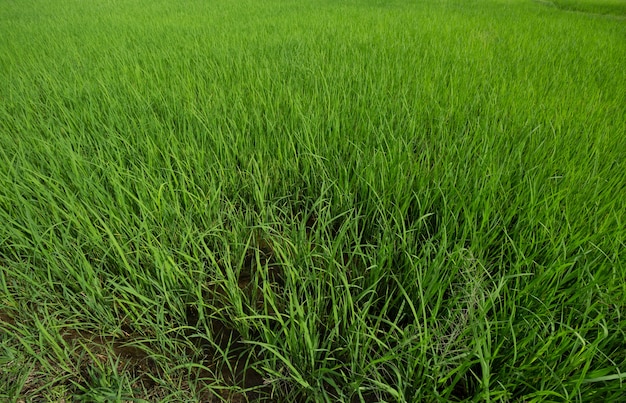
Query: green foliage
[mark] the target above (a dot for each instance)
(607, 7)
(311, 201)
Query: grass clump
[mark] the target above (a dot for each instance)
(607, 7)
(311, 201)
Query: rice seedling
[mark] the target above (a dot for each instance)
(311, 201)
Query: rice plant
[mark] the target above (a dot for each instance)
(312, 200)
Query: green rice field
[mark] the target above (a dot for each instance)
(312, 200)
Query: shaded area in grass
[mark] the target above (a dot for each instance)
(606, 7)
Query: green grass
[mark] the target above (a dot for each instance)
(608, 7)
(311, 201)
